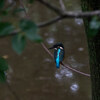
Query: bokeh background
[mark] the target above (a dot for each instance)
(33, 74)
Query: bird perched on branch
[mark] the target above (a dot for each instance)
(58, 53)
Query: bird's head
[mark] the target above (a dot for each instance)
(57, 46)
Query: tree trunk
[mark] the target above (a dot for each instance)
(94, 48)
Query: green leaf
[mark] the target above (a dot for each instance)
(94, 27)
(95, 23)
(6, 28)
(3, 64)
(30, 29)
(30, 1)
(2, 2)
(2, 76)
(4, 12)
(18, 43)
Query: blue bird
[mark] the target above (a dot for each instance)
(58, 53)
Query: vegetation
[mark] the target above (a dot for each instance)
(25, 29)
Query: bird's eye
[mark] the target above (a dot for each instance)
(61, 48)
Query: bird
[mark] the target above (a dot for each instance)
(58, 53)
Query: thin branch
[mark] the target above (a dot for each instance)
(65, 14)
(54, 20)
(21, 2)
(82, 73)
(81, 14)
(70, 14)
(50, 6)
(85, 74)
(62, 5)
(46, 50)
(11, 34)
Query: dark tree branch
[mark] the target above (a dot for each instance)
(69, 14)
(21, 3)
(54, 20)
(11, 34)
(81, 14)
(64, 14)
(50, 6)
(62, 5)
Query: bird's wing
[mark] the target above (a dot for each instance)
(61, 56)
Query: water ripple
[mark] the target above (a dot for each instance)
(74, 87)
(63, 72)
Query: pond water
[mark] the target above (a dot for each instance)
(33, 74)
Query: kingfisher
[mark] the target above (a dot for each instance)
(58, 53)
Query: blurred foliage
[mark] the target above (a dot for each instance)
(18, 43)
(30, 29)
(3, 64)
(17, 10)
(2, 2)
(3, 11)
(31, 1)
(6, 28)
(2, 76)
(27, 30)
(3, 69)
(94, 27)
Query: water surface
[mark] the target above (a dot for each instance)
(33, 75)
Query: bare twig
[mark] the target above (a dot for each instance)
(21, 2)
(62, 5)
(46, 50)
(54, 20)
(70, 14)
(82, 73)
(64, 14)
(11, 34)
(81, 14)
(51, 6)
(85, 74)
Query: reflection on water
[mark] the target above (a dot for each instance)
(9, 74)
(80, 49)
(78, 21)
(63, 72)
(53, 28)
(47, 60)
(74, 63)
(67, 28)
(74, 87)
(50, 40)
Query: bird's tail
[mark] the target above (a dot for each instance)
(57, 64)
